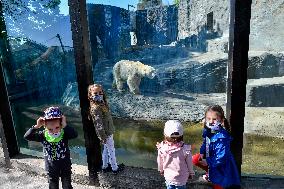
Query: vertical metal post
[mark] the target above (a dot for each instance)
(83, 62)
(5, 109)
(4, 145)
(6, 55)
(237, 73)
(230, 57)
(7, 119)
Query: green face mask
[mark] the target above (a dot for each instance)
(51, 138)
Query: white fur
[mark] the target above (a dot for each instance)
(131, 72)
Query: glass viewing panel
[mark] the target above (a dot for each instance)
(41, 69)
(179, 51)
(264, 134)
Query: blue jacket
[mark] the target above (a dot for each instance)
(205, 133)
(222, 167)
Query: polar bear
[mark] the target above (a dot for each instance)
(131, 72)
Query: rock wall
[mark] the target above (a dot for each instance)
(196, 77)
(218, 45)
(157, 25)
(193, 17)
(265, 86)
(143, 28)
(265, 65)
(267, 26)
(265, 92)
(207, 73)
(183, 19)
(109, 30)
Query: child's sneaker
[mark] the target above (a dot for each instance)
(119, 169)
(107, 169)
(205, 177)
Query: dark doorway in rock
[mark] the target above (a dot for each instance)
(210, 21)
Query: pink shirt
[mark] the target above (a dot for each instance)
(175, 160)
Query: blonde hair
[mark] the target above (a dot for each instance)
(94, 104)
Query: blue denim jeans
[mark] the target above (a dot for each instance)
(170, 186)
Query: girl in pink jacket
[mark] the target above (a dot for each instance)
(174, 157)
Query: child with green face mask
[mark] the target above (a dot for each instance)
(54, 139)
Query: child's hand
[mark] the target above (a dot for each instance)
(39, 123)
(157, 144)
(203, 162)
(201, 156)
(161, 172)
(63, 122)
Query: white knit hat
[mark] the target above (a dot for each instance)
(173, 126)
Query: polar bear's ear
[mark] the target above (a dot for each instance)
(152, 74)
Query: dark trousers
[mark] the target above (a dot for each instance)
(53, 177)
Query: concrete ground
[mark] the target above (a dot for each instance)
(27, 172)
(16, 178)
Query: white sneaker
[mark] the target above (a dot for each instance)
(205, 178)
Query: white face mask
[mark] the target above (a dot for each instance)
(55, 135)
(98, 98)
(215, 126)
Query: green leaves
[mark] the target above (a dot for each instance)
(16, 8)
(176, 2)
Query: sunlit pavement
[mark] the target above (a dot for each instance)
(14, 178)
(28, 172)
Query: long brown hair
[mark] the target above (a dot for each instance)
(95, 104)
(220, 112)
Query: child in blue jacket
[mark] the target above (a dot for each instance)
(220, 163)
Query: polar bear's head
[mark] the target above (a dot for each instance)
(149, 72)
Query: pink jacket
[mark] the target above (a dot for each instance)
(175, 160)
